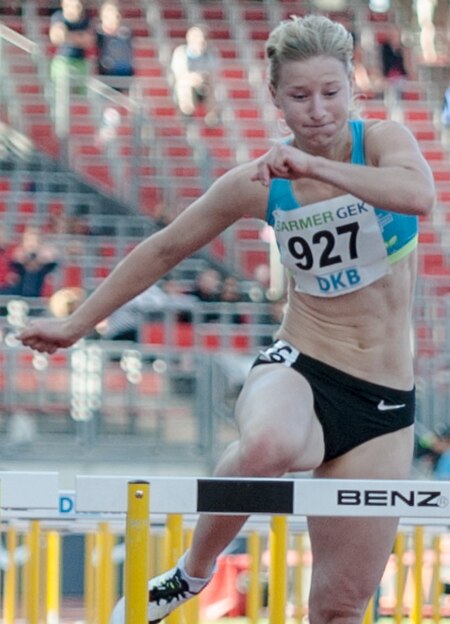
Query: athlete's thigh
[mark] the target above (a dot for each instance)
(350, 554)
(278, 400)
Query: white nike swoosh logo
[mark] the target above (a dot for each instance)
(384, 408)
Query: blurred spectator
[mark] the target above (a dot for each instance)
(231, 290)
(368, 79)
(71, 33)
(65, 300)
(21, 430)
(32, 261)
(124, 323)
(433, 450)
(442, 448)
(179, 299)
(445, 111)
(232, 293)
(108, 129)
(208, 288)
(7, 276)
(394, 56)
(425, 12)
(114, 44)
(194, 66)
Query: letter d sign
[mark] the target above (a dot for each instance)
(66, 503)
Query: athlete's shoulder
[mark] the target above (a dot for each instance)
(388, 139)
(381, 128)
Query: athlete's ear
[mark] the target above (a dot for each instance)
(273, 93)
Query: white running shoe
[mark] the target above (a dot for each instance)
(166, 592)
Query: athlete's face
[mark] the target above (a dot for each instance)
(314, 97)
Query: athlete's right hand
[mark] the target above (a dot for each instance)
(48, 335)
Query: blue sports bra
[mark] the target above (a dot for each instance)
(338, 245)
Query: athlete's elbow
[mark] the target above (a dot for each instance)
(420, 199)
(424, 204)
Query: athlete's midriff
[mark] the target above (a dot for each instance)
(365, 333)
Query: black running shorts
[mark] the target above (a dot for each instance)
(350, 410)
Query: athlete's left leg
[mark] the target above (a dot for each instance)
(350, 554)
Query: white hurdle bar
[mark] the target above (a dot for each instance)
(29, 490)
(307, 497)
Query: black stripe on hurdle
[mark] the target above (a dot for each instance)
(228, 496)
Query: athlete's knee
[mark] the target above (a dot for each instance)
(337, 603)
(268, 451)
(327, 613)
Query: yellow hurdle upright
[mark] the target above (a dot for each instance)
(104, 573)
(416, 613)
(399, 550)
(437, 583)
(254, 598)
(278, 570)
(137, 543)
(89, 578)
(53, 577)
(191, 610)
(33, 572)
(10, 578)
(174, 549)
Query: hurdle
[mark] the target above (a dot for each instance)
(274, 498)
(298, 497)
(28, 494)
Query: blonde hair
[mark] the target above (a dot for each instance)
(300, 38)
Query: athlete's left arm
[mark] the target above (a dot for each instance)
(396, 176)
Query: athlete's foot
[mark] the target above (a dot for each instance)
(166, 592)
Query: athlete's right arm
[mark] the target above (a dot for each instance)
(229, 198)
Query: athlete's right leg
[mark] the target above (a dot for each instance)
(278, 433)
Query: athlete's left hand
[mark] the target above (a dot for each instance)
(282, 161)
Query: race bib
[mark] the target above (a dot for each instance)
(332, 247)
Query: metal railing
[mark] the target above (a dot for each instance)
(125, 401)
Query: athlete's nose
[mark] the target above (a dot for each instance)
(317, 110)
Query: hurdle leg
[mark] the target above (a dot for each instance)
(174, 545)
(437, 583)
(137, 544)
(298, 576)
(33, 572)
(399, 549)
(10, 578)
(89, 578)
(253, 600)
(416, 615)
(104, 578)
(191, 610)
(278, 570)
(53, 577)
(368, 615)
